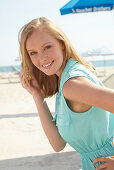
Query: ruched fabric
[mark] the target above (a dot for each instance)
(87, 158)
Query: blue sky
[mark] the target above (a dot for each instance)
(85, 31)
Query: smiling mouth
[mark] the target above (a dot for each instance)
(48, 65)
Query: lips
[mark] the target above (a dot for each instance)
(48, 65)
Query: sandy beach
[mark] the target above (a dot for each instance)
(23, 144)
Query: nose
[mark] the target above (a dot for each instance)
(42, 56)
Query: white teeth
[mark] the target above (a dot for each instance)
(47, 65)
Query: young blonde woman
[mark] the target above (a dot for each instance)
(50, 65)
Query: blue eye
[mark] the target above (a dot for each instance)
(47, 47)
(33, 53)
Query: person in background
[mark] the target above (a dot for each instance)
(50, 65)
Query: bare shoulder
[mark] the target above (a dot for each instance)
(76, 85)
(83, 90)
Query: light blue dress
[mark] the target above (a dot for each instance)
(87, 132)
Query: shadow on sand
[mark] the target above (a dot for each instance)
(25, 115)
(55, 161)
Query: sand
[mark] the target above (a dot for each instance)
(23, 144)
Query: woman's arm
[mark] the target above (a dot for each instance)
(49, 127)
(83, 90)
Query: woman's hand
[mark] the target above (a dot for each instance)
(108, 163)
(33, 89)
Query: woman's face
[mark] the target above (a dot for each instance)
(46, 52)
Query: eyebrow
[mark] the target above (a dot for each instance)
(41, 46)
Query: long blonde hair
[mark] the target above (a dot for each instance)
(49, 85)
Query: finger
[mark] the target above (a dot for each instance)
(21, 74)
(101, 166)
(28, 76)
(100, 159)
(22, 80)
